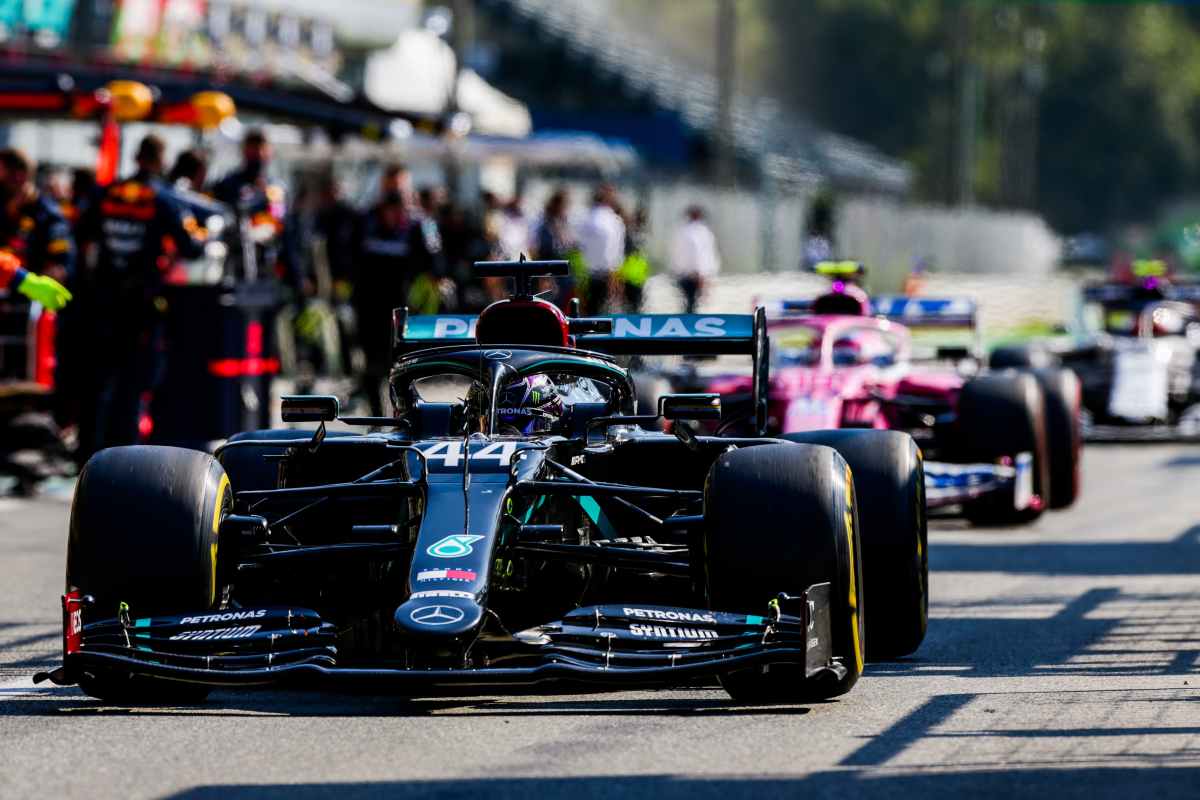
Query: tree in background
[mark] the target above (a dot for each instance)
(1084, 112)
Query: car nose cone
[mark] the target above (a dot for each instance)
(426, 616)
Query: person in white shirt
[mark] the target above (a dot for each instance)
(601, 240)
(694, 257)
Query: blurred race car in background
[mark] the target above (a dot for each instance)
(1002, 445)
(1134, 349)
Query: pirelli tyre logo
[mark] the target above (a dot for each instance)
(212, 634)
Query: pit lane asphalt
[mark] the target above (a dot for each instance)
(1061, 661)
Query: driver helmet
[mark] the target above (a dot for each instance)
(530, 405)
(847, 351)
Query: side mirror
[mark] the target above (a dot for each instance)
(955, 353)
(309, 408)
(689, 406)
(581, 326)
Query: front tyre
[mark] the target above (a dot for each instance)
(143, 532)
(780, 518)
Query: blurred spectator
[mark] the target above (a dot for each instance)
(914, 281)
(336, 228)
(431, 291)
(260, 208)
(337, 225)
(429, 204)
(129, 224)
(818, 233)
(393, 251)
(493, 221)
(602, 246)
(396, 179)
(463, 243)
(553, 240)
(514, 231)
(635, 269)
(694, 257)
(32, 227)
(492, 226)
(83, 191)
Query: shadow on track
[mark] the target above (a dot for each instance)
(1179, 556)
(1058, 783)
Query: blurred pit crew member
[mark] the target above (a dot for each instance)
(602, 244)
(393, 251)
(32, 226)
(260, 209)
(694, 257)
(187, 180)
(129, 225)
(34, 229)
(189, 173)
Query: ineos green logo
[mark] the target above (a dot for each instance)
(455, 545)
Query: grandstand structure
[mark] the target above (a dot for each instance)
(576, 70)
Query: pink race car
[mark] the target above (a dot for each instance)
(1002, 445)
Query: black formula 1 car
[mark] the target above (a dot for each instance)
(514, 522)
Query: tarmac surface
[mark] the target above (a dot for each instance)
(1063, 660)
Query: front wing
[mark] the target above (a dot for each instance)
(953, 484)
(607, 645)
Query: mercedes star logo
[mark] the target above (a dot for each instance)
(497, 355)
(436, 615)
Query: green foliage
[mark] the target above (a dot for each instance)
(1116, 88)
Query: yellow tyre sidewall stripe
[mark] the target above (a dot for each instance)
(853, 593)
(216, 524)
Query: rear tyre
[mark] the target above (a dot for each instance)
(144, 532)
(1000, 416)
(889, 475)
(1064, 436)
(780, 518)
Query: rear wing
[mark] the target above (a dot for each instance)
(942, 328)
(1130, 293)
(927, 312)
(632, 334)
(790, 307)
(914, 312)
